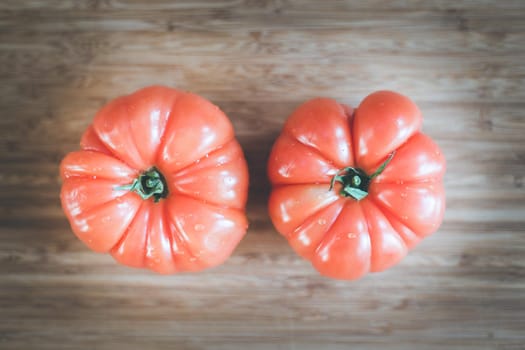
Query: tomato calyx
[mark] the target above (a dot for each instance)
(150, 183)
(355, 181)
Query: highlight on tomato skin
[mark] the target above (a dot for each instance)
(354, 190)
(159, 182)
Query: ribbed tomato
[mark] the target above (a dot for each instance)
(354, 190)
(160, 182)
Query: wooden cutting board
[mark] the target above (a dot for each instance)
(462, 62)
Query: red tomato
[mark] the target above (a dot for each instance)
(353, 191)
(160, 182)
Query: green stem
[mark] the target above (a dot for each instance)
(149, 184)
(355, 181)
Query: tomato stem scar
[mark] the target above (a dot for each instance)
(150, 183)
(355, 181)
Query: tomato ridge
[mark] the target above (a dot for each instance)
(288, 134)
(383, 208)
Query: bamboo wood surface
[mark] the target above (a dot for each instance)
(462, 62)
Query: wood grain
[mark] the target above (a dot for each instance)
(463, 62)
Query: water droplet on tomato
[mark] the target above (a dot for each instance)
(229, 181)
(324, 255)
(351, 235)
(304, 239)
(284, 170)
(321, 221)
(198, 227)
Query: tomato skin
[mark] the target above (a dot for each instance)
(199, 218)
(343, 237)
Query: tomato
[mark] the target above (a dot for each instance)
(160, 182)
(354, 190)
